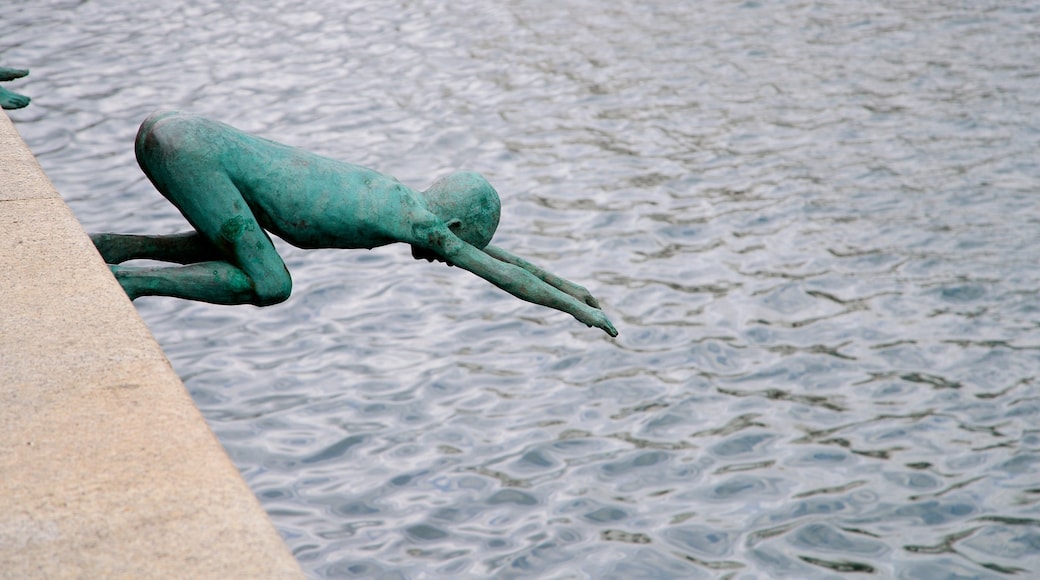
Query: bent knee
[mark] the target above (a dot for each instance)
(272, 290)
(147, 133)
(172, 137)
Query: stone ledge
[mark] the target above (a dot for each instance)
(107, 468)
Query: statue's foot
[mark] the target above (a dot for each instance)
(9, 74)
(10, 100)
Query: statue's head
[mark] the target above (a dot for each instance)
(468, 205)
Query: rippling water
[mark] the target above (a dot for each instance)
(814, 224)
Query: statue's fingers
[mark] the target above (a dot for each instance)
(600, 320)
(9, 74)
(12, 100)
(19, 102)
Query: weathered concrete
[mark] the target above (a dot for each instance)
(107, 469)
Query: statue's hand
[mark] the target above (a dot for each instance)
(9, 74)
(580, 293)
(595, 317)
(12, 100)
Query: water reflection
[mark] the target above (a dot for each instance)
(814, 224)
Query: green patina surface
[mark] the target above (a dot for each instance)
(233, 188)
(11, 99)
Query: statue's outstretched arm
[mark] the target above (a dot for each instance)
(513, 278)
(562, 284)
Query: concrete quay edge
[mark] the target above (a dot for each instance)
(107, 468)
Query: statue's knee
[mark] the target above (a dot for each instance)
(147, 138)
(273, 290)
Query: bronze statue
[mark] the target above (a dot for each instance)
(232, 186)
(11, 99)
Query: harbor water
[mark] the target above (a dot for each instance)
(815, 225)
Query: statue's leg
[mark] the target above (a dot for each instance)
(185, 159)
(249, 269)
(183, 248)
(214, 282)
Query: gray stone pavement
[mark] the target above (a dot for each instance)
(107, 468)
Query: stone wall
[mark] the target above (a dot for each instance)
(107, 468)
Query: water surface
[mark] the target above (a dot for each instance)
(814, 224)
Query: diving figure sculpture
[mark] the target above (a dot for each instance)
(233, 188)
